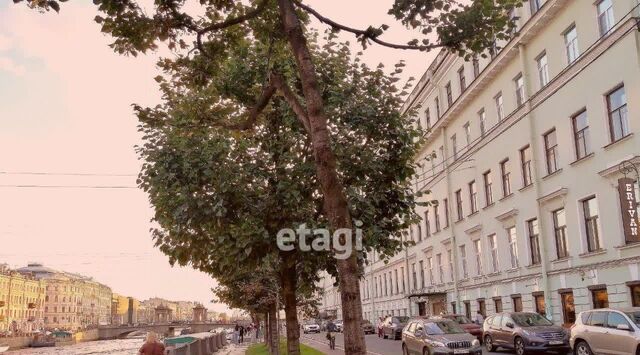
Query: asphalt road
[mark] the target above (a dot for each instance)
(375, 345)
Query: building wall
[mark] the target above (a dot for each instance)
(21, 302)
(605, 63)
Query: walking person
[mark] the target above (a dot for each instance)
(151, 345)
(380, 321)
(236, 334)
(241, 334)
(479, 318)
(331, 328)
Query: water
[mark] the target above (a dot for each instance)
(101, 347)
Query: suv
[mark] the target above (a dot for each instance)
(392, 327)
(466, 324)
(524, 332)
(436, 335)
(311, 328)
(607, 331)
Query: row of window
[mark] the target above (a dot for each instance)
(438, 270)
(616, 101)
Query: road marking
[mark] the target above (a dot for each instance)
(337, 347)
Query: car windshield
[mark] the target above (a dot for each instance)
(443, 327)
(634, 316)
(402, 319)
(529, 319)
(461, 320)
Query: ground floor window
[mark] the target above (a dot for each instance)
(568, 308)
(517, 303)
(540, 304)
(497, 302)
(635, 295)
(482, 307)
(600, 298)
(467, 309)
(453, 307)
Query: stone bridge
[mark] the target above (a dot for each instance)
(114, 332)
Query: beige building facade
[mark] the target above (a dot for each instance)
(72, 301)
(22, 299)
(522, 157)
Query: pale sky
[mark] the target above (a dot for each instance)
(65, 108)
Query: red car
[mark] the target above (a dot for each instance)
(466, 324)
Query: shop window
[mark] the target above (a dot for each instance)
(600, 298)
(568, 308)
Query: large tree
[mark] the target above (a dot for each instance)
(463, 27)
(221, 195)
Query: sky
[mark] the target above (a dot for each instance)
(65, 108)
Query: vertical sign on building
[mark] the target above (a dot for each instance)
(629, 208)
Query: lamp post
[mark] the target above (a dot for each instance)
(629, 167)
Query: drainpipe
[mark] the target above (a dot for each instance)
(407, 280)
(534, 140)
(454, 253)
(371, 286)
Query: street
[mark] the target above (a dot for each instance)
(375, 345)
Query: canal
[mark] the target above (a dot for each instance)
(101, 347)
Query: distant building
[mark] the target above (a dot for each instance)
(21, 301)
(72, 301)
(124, 310)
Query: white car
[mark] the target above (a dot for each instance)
(311, 328)
(339, 325)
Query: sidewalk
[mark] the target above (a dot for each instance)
(322, 345)
(234, 349)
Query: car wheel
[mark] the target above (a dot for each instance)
(518, 346)
(425, 351)
(488, 343)
(404, 350)
(582, 348)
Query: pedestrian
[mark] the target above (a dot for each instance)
(236, 334)
(330, 336)
(380, 321)
(151, 345)
(241, 334)
(479, 318)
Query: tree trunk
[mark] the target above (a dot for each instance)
(289, 287)
(265, 330)
(335, 202)
(274, 346)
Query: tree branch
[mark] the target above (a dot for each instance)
(254, 112)
(364, 34)
(278, 81)
(236, 20)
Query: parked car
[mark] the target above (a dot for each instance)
(437, 335)
(606, 331)
(367, 327)
(311, 328)
(524, 332)
(339, 325)
(466, 324)
(392, 327)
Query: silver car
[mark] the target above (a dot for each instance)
(436, 335)
(606, 331)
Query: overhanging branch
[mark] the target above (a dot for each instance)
(301, 113)
(236, 20)
(362, 33)
(254, 112)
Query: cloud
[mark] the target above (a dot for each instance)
(8, 65)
